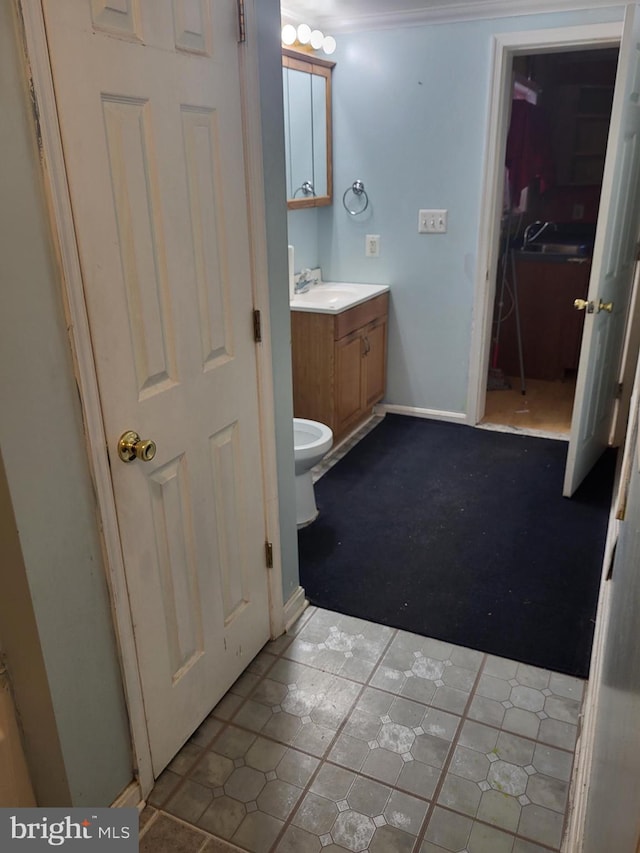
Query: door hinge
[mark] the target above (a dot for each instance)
(268, 553)
(618, 390)
(257, 326)
(242, 23)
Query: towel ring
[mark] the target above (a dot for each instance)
(307, 189)
(357, 188)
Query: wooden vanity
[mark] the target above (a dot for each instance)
(339, 363)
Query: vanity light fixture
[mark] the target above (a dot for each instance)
(303, 36)
(289, 35)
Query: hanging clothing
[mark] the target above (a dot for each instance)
(529, 157)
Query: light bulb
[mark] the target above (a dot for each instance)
(304, 33)
(329, 44)
(316, 39)
(288, 34)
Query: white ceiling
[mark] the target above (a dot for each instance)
(348, 15)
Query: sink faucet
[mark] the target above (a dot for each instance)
(538, 228)
(305, 281)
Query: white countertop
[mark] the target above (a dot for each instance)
(333, 297)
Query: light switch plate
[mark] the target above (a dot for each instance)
(432, 221)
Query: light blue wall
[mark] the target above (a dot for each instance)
(410, 108)
(303, 236)
(272, 119)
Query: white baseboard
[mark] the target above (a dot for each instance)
(130, 798)
(294, 607)
(414, 411)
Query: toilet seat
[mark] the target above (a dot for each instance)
(312, 440)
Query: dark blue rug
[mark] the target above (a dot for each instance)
(462, 534)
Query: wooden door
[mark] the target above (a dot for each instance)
(149, 103)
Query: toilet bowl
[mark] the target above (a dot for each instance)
(311, 441)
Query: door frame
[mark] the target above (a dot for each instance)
(505, 46)
(40, 79)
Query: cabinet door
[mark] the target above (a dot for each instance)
(375, 358)
(550, 326)
(349, 375)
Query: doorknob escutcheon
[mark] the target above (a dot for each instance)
(131, 447)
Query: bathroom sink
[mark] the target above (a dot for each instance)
(333, 297)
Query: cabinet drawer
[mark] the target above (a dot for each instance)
(360, 315)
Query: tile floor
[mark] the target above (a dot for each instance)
(346, 735)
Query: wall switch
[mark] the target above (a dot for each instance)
(372, 246)
(432, 221)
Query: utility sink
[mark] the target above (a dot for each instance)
(333, 297)
(557, 248)
(559, 241)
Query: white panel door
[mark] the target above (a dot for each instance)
(149, 103)
(613, 796)
(612, 268)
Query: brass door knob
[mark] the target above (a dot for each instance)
(605, 306)
(131, 447)
(582, 305)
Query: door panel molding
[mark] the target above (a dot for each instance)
(59, 205)
(611, 269)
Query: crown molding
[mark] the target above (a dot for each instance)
(440, 12)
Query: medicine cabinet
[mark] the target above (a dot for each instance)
(307, 127)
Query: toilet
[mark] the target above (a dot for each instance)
(311, 440)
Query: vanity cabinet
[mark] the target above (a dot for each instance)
(339, 363)
(551, 327)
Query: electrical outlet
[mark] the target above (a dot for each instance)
(432, 221)
(372, 246)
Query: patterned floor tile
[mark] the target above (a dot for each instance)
(244, 788)
(428, 671)
(395, 740)
(529, 701)
(299, 705)
(508, 781)
(339, 644)
(358, 814)
(347, 736)
(461, 835)
(165, 835)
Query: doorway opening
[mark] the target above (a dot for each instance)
(558, 129)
